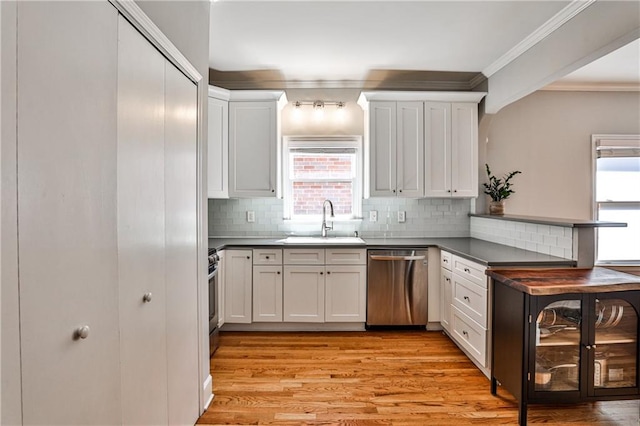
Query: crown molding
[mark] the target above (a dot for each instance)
(592, 87)
(559, 19)
(421, 96)
(132, 12)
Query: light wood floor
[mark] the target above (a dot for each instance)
(370, 378)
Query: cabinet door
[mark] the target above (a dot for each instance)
(446, 291)
(382, 135)
(218, 149)
(557, 338)
(66, 186)
(410, 149)
(346, 293)
(464, 150)
(303, 296)
(238, 284)
(181, 255)
(141, 228)
(437, 125)
(612, 359)
(252, 149)
(267, 293)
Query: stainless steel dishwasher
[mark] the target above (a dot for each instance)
(397, 287)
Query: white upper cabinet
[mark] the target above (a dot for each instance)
(254, 128)
(421, 144)
(451, 143)
(396, 143)
(218, 144)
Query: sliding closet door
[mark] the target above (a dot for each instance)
(66, 127)
(181, 245)
(141, 228)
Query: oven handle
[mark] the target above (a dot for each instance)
(377, 257)
(213, 274)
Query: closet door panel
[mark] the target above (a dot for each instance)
(66, 149)
(141, 228)
(181, 246)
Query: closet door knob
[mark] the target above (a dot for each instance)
(147, 297)
(81, 332)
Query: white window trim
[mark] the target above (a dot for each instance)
(327, 142)
(606, 140)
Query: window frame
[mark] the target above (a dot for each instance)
(598, 140)
(347, 142)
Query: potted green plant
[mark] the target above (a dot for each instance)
(499, 190)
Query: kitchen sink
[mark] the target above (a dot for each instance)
(322, 240)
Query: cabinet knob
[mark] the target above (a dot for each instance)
(400, 190)
(445, 260)
(328, 272)
(467, 270)
(394, 191)
(321, 273)
(447, 279)
(278, 272)
(273, 190)
(467, 298)
(455, 190)
(147, 297)
(267, 257)
(448, 190)
(81, 332)
(248, 257)
(465, 333)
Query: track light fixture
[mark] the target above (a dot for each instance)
(317, 105)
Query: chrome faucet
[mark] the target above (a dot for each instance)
(326, 228)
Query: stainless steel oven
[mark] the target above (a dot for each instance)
(213, 301)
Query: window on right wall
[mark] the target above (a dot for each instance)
(617, 197)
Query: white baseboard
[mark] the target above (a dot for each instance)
(207, 393)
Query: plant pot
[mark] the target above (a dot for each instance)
(496, 207)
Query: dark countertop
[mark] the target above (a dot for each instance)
(572, 223)
(539, 282)
(484, 252)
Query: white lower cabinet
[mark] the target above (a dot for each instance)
(303, 293)
(325, 285)
(267, 293)
(465, 306)
(345, 293)
(238, 283)
(445, 291)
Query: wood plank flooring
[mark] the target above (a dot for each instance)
(370, 378)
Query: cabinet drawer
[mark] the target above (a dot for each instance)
(445, 260)
(470, 299)
(304, 256)
(266, 256)
(472, 271)
(470, 336)
(346, 256)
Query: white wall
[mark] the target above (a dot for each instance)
(547, 135)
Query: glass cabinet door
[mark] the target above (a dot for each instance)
(616, 345)
(557, 345)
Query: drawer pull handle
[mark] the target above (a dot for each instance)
(467, 298)
(465, 333)
(467, 270)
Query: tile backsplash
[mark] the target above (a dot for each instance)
(424, 218)
(546, 239)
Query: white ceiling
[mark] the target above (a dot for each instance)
(339, 40)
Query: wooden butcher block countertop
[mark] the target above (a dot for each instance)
(540, 282)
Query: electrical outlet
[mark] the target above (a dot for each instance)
(373, 216)
(401, 216)
(251, 216)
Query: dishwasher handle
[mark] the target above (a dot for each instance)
(378, 257)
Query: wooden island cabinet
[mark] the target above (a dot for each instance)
(565, 335)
